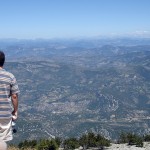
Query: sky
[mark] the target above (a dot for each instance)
(30, 19)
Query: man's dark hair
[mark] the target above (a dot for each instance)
(2, 58)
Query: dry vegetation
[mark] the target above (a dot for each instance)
(13, 148)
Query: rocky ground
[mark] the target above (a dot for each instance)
(127, 147)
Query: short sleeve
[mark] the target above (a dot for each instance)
(14, 86)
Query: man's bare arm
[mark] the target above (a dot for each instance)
(14, 99)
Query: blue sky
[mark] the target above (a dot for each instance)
(73, 18)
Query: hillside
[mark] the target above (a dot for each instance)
(67, 91)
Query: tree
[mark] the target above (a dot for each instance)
(84, 141)
(147, 138)
(123, 138)
(71, 144)
(58, 141)
(47, 145)
(101, 142)
(91, 139)
(27, 144)
(131, 139)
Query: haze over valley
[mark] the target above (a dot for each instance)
(70, 87)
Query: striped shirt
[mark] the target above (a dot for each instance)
(8, 86)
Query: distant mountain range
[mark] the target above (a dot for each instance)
(72, 87)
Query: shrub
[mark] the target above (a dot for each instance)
(58, 141)
(71, 144)
(101, 141)
(147, 138)
(27, 144)
(92, 140)
(47, 145)
(123, 138)
(83, 141)
(131, 139)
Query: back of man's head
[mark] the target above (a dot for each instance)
(3, 145)
(2, 58)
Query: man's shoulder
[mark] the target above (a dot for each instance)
(5, 72)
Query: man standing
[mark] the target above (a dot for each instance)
(8, 101)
